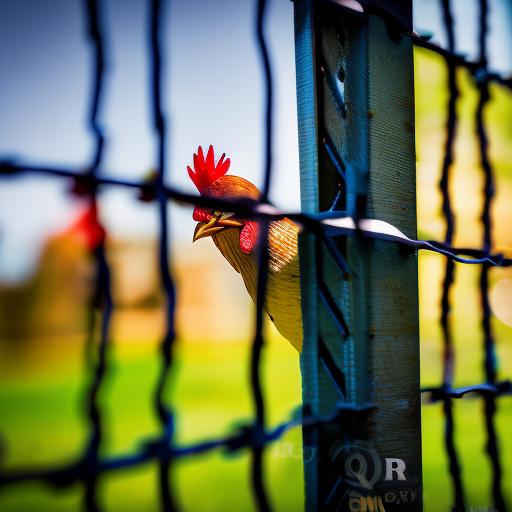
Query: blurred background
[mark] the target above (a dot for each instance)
(213, 95)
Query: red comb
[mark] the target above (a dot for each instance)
(205, 170)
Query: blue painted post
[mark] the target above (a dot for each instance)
(361, 338)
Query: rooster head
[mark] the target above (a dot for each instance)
(210, 179)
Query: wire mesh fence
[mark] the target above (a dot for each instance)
(491, 389)
(255, 436)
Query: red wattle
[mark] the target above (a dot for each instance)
(249, 237)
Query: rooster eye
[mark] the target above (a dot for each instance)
(222, 215)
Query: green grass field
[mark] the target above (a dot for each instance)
(43, 425)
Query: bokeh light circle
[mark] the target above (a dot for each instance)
(501, 301)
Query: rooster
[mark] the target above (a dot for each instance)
(236, 239)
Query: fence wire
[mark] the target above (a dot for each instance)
(491, 389)
(256, 436)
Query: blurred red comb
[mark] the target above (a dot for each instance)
(206, 171)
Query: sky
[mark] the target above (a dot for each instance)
(212, 94)
(427, 17)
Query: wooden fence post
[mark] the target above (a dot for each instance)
(361, 337)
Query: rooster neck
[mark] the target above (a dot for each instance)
(283, 302)
(228, 243)
(283, 248)
(282, 244)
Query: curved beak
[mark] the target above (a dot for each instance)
(214, 226)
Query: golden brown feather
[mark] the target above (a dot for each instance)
(283, 302)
